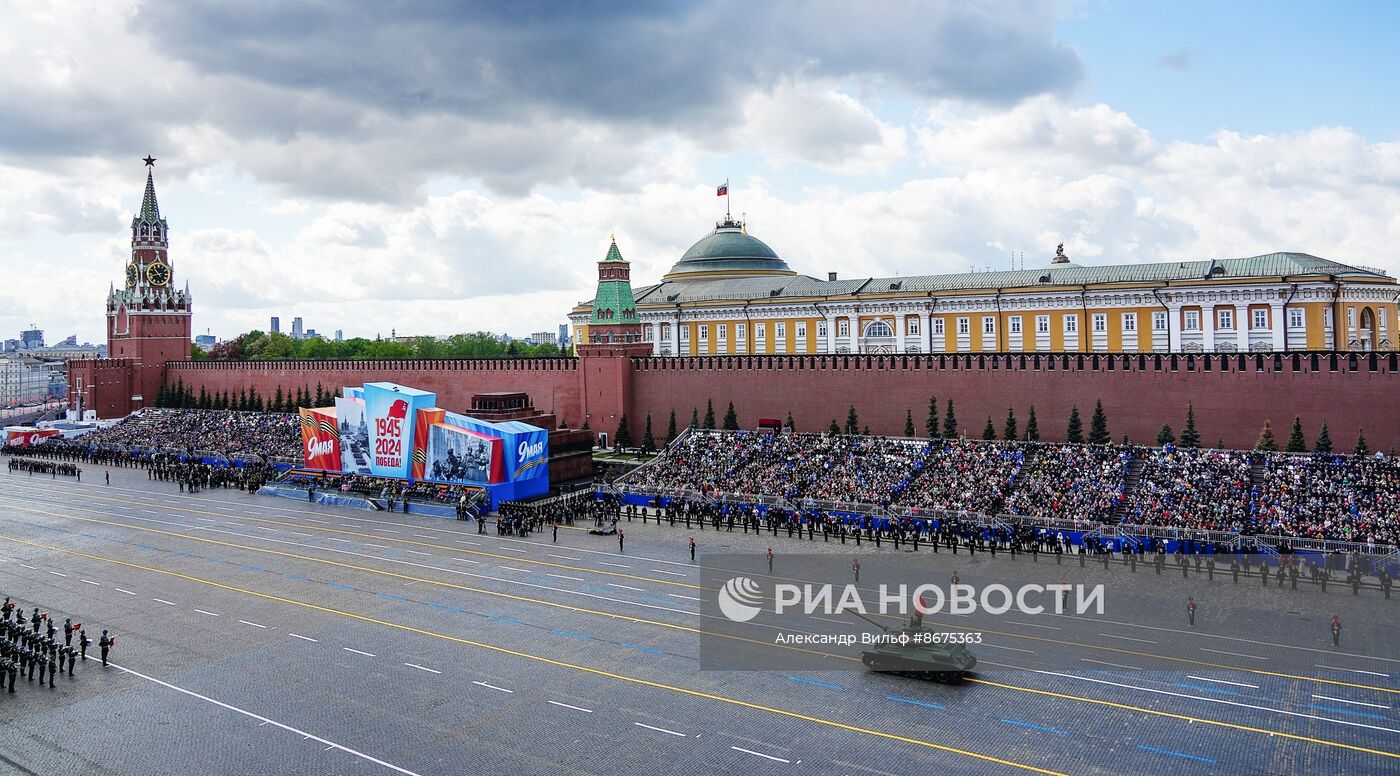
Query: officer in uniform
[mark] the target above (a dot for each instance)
(855, 569)
(770, 559)
(8, 609)
(83, 643)
(105, 643)
(1191, 611)
(68, 630)
(692, 549)
(1385, 583)
(1235, 571)
(1336, 631)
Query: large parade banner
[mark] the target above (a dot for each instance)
(391, 411)
(24, 436)
(354, 435)
(320, 440)
(525, 447)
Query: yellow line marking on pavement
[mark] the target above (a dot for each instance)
(551, 661)
(1188, 718)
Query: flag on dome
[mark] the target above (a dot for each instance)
(722, 190)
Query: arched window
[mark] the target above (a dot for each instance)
(878, 329)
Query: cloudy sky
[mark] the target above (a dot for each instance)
(436, 167)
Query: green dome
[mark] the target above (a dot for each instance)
(730, 252)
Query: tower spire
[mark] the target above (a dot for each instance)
(150, 209)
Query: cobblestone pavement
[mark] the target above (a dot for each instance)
(263, 635)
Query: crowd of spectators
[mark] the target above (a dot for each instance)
(1192, 488)
(225, 432)
(1319, 496)
(1072, 482)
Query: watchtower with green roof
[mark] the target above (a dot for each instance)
(614, 317)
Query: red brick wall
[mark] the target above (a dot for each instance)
(1232, 404)
(552, 383)
(107, 385)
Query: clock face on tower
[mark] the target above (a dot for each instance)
(158, 274)
(132, 275)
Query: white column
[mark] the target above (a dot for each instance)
(655, 338)
(830, 333)
(1174, 324)
(1242, 327)
(925, 332)
(1208, 322)
(899, 325)
(1276, 313)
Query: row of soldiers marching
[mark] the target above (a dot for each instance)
(25, 648)
(45, 467)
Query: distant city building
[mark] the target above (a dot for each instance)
(11, 344)
(206, 341)
(544, 337)
(70, 341)
(276, 325)
(31, 338)
(24, 378)
(297, 332)
(563, 340)
(339, 335)
(309, 333)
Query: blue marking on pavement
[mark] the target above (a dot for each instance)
(827, 685)
(1203, 688)
(653, 599)
(572, 634)
(392, 597)
(253, 567)
(298, 577)
(913, 702)
(1019, 723)
(639, 647)
(445, 608)
(340, 586)
(1340, 710)
(1182, 755)
(502, 618)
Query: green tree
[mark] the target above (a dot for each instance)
(624, 434)
(279, 400)
(731, 419)
(950, 422)
(989, 431)
(852, 422)
(1220, 443)
(791, 426)
(255, 402)
(833, 428)
(1165, 436)
(648, 442)
(1266, 441)
(1361, 447)
(694, 418)
(1032, 427)
(909, 423)
(1098, 426)
(198, 353)
(1189, 437)
(709, 413)
(1074, 433)
(1323, 443)
(203, 402)
(931, 422)
(1010, 431)
(671, 428)
(1296, 443)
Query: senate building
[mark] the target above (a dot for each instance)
(731, 294)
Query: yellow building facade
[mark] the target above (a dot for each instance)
(730, 294)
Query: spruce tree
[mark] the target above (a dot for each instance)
(791, 426)
(671, 428)
(1032, 427)
(1323, 443)
(1189, 437)
(950, 422)
(1361, 447)
(866, 432)
(909, 422)
(1296, 443)
(709, 413)
(242, 399)
(1010, 432)
(203, 402)
(278, 400)
(852, 422)
(1098, 426)
(1266, 441)
(182, 396)
(648, 442)
(931, 423)
(624, 434)
(1126, 441)
(1165, 436)
(1220, 443)
(833, 428)
(989, 432)
(731, 419)
(255, 402)
(694, 418)
(323, 397)
(1074, 432)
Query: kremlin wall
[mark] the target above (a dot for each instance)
(1243, 340)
